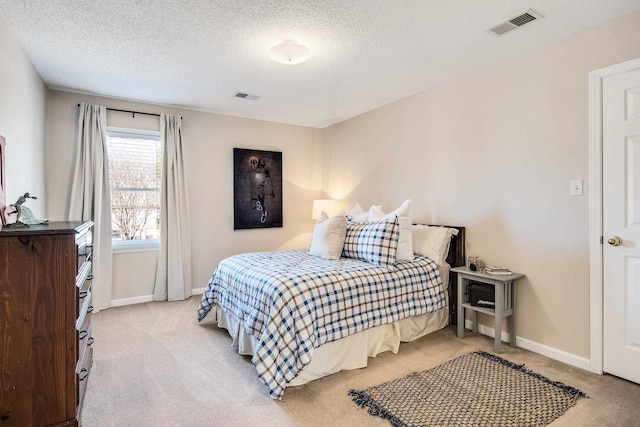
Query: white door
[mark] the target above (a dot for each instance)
(621, 219)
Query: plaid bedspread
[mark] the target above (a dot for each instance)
(293, 302)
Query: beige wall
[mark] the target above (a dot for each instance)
(494, 151)
(209, 140)
(22, 123)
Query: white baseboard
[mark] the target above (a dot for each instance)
(545, 350)
(130, 301)
(145, 298)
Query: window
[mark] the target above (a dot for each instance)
(135, 162)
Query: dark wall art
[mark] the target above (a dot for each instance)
(257, 189)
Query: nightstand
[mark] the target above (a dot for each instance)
(505, 299)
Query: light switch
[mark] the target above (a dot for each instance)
(575, 187)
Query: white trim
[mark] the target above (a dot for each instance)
(550, 352)
(130, 301)
(554, 353)
(145, 298)
(133, 133)
(596, 283)
(145, 245)
(595, 221)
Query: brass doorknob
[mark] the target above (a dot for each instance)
(615, 241)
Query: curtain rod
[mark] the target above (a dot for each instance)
(133, 113)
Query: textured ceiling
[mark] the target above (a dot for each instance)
(198, 53)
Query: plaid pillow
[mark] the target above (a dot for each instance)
(374, 242)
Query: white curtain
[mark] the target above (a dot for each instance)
(173, 272)
(91, 197)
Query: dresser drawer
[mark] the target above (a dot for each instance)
(84, 247)
(85, 309)
(83, 378)
(84, 331)
(85, 339)
(83, 279)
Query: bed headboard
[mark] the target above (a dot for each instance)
(456, 256)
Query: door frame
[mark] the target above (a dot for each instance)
(596, 279)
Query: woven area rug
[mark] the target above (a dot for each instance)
(477, 389)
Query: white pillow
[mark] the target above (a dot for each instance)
(356, 210)
(328, 236)
(358, 215)
(432, 242)
(405, 243)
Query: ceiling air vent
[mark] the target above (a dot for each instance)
(247, 96)
(515, 22)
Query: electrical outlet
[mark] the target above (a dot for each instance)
(575, 188)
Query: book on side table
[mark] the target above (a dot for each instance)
(497, 270)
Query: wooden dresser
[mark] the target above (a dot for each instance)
(45, 328)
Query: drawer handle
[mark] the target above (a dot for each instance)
(90, 309)
(84, 371)
(90, 277)
(82, 294)
(90, 341)
(83, 334)
(89, 245)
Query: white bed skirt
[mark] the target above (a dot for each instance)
(351, 352)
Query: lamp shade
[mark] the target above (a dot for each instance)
(289, 52)
(327, 205)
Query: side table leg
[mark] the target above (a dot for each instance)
(474, 325)
(460, 307)
(512, 326)
(498, 316)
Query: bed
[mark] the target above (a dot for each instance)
(301, 316)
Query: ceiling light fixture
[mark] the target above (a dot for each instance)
(289, 52)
